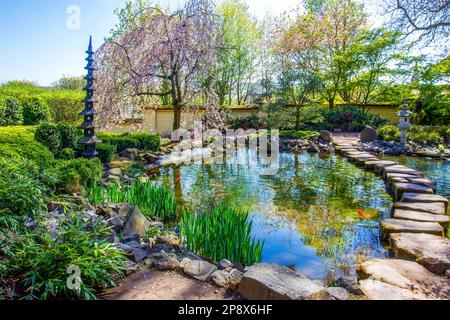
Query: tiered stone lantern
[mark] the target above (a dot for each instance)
(404, 125)
(89, 139)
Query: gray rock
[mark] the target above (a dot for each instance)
(326, 136)
(115, 222)
(132, 237)
(137, 223)
(166, 263)
(200, 270)
(389, 226)
(225, 264)
(133, 244)
(125, 248)
(130, 153)
(117, 172)
(130, 267)
(235, 279)
(273, 282)
(139, 254)
(369, 134)
(337, 293)
(221, 278)
(349, 283)
(157, 224)
(434, 207)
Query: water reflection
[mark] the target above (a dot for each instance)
(306, 213)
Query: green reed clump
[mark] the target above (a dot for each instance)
(152, 200)
(221, 233)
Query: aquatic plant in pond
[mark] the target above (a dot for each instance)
(221, 233)
(152, 200)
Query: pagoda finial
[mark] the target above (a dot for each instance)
(89, 139)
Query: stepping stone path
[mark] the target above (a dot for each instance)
(429, 251)
(416, 235)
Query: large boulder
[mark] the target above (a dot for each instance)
(136, 223)
(198, 269)
(273, 282)
(369, 134)
(404, 279)
(130, 153)
(326, 136)
(430, 251)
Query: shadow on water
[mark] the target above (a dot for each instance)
(319, 214)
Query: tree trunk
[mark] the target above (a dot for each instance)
(297, 118)
(331, 103)
(176, 116)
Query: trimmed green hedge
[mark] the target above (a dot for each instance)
(106, 152)
(142, 141)
(11, 111)
(298, 134)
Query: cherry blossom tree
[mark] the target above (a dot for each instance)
(155, 55)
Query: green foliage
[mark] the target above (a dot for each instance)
(298, 134)
(41, 262)
(106, 152)
(351, 118)
(389, 133)
(67, 154)
(142, 141)
(35, 110)
(78, 173)
(11, 113)
(426, 135)
(49, 135)
(19, 143)
(247, 122)
(70, 83)
(69, 135)
(152, 200)
(22, 191)
(222, 233)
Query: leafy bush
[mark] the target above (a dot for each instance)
(143, 141)
(41, 262)
(49, 135)
(21, 189)
(389, 133)
(11, 113)
(351, 118)
(19, 143)
(106, 152)
(69, 135)
(222, 233)
(427, 136)
(67, 154)
(298, 134)
(35, 110)
(76, 174)
(248, 122)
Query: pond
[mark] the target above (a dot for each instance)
(319, 214)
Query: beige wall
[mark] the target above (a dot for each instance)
(162, 120)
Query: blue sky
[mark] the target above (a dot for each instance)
(37, 44)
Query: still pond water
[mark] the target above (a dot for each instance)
(319, 214)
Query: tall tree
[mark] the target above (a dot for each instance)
(239, 55)
(154, 53)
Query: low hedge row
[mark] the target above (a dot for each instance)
(142, 141)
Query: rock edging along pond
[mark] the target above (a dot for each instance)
(416, 234)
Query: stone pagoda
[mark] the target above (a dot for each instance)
(89, 139)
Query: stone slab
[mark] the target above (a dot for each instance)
(424, 198)
(405, 275)
(389, 226)
(432, 207)
(421, 217)
(400, 188)
(430, 251)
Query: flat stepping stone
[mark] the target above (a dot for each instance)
(389, 226)
(381, 163)
(401, 188)
(432, 207)
(430, 251)
(377, 290)
(411, 279)
(423, 182)
(421, 217)
(401, 169)
(424, 198)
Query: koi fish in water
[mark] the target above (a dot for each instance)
(362, 214)
(178, 179)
